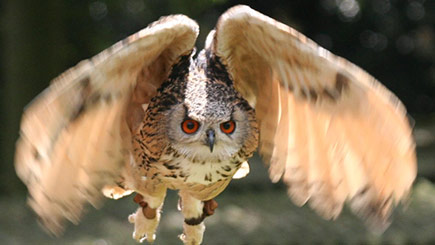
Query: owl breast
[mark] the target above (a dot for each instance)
(174, 165)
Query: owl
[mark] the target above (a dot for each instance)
(150, 114)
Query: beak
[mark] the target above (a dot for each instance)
(210, 139)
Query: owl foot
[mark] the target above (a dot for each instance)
(192, 234)
(144, 228)
(145, 220)
(194, 212)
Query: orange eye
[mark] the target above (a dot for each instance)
(190, 126)
(228, 127)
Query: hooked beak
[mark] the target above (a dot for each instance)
(210, 139)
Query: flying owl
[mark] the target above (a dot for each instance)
(149, 114)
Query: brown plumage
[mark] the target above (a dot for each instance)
(146, 115)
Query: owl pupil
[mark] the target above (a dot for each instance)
(190, 125)
(226, 125)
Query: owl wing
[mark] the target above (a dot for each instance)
(75, 136)
(331, 131)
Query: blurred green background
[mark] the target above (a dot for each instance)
(394, 40)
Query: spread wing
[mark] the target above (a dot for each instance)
(75, 136)
(331, 131)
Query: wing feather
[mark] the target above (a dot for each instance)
(75, 136)
(331, 131)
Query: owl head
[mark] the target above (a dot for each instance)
(213, 121)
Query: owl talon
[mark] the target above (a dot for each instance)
(145, 220)
(192, 235)
(144, 228)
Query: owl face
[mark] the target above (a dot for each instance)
(210, 139)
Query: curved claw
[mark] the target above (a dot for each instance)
(145, 221)
(144, 229)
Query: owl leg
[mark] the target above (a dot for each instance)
(194, 212)
(147, 216)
